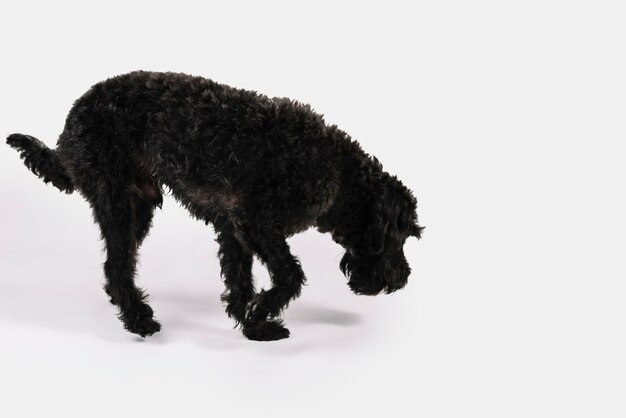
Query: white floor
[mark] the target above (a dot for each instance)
(478, 328)
(506, 120)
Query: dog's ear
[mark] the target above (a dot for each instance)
(374, 236)
(392, 216)
(385, 213)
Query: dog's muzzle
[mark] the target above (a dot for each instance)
(371, 276)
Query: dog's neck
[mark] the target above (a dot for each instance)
(359, 181)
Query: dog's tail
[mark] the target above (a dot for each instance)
(42, 161)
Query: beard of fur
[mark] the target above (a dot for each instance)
(374, 276)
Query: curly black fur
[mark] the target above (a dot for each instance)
(258, 169)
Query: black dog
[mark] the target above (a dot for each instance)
(258, 169)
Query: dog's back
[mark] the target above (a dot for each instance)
(219, 149)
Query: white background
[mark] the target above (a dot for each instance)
(505, 118)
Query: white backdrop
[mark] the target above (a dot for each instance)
(505, 118)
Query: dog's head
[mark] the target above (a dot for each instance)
(375, 261)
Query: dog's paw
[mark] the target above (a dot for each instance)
(145, 327)
(141, 323)
(266, 331)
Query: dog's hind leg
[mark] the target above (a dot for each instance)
(143, 212)
(287, 280)
(236, 264)
(117, 216)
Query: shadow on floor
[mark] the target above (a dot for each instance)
(80, 309)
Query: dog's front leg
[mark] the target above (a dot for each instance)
(287, 280)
